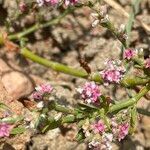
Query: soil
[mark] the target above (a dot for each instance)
(64, 43)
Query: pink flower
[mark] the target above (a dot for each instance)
(112, 75)
(123, 131)
(147, 63)
(55, 2)
(40, 2)
(70, 2)
(98, 127)
(95, 145)
(103, 144)
(42, 90)
(22, 7)
(129, 54)
(5, 130)
(113, 72)
(90, 92)
(51, 2)
(37, 95)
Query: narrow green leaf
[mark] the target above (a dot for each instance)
(41, 122)
(3, 106)
(18, 130)
(68, 119)
(135, 10)
(51, 124)
(133, 119)
(80, 136)
(87, 106)
(136, 4)
(12, 120)
(143, 111)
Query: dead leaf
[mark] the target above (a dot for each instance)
(10, 46)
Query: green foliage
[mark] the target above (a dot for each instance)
(18, 130)
(135, 9)
(133, 119)
(12, 120)
(80, 136)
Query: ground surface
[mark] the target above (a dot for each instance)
(64, 43)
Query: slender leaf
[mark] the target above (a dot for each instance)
(133, 119)
(12, 120)
(80, 136)
(18, 130)
(3, 106)
(135, 10)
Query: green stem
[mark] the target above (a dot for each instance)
(44, 25)
(110, 26)
(63, 109)
(128, 81)
(124, 104)
(115, 108)
(40, 25)
(143, 111)
(1, 39)
(68, 119)
(52, 123)
(54, 65)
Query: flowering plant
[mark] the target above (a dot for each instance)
(101, 120)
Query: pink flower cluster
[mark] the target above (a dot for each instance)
(129, 54)
(94, 145)
(5, 130)
(70, 2)
(106, 142)
(42, 90)
(123, 131)
(147, 63)
(98, 127)
(90, 92)
(55, 2)
(51, 2)
(102, 144)
(113, 72)
(22, 6)
(120, 130)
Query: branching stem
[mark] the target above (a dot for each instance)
(38, 26)
(128, 81)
